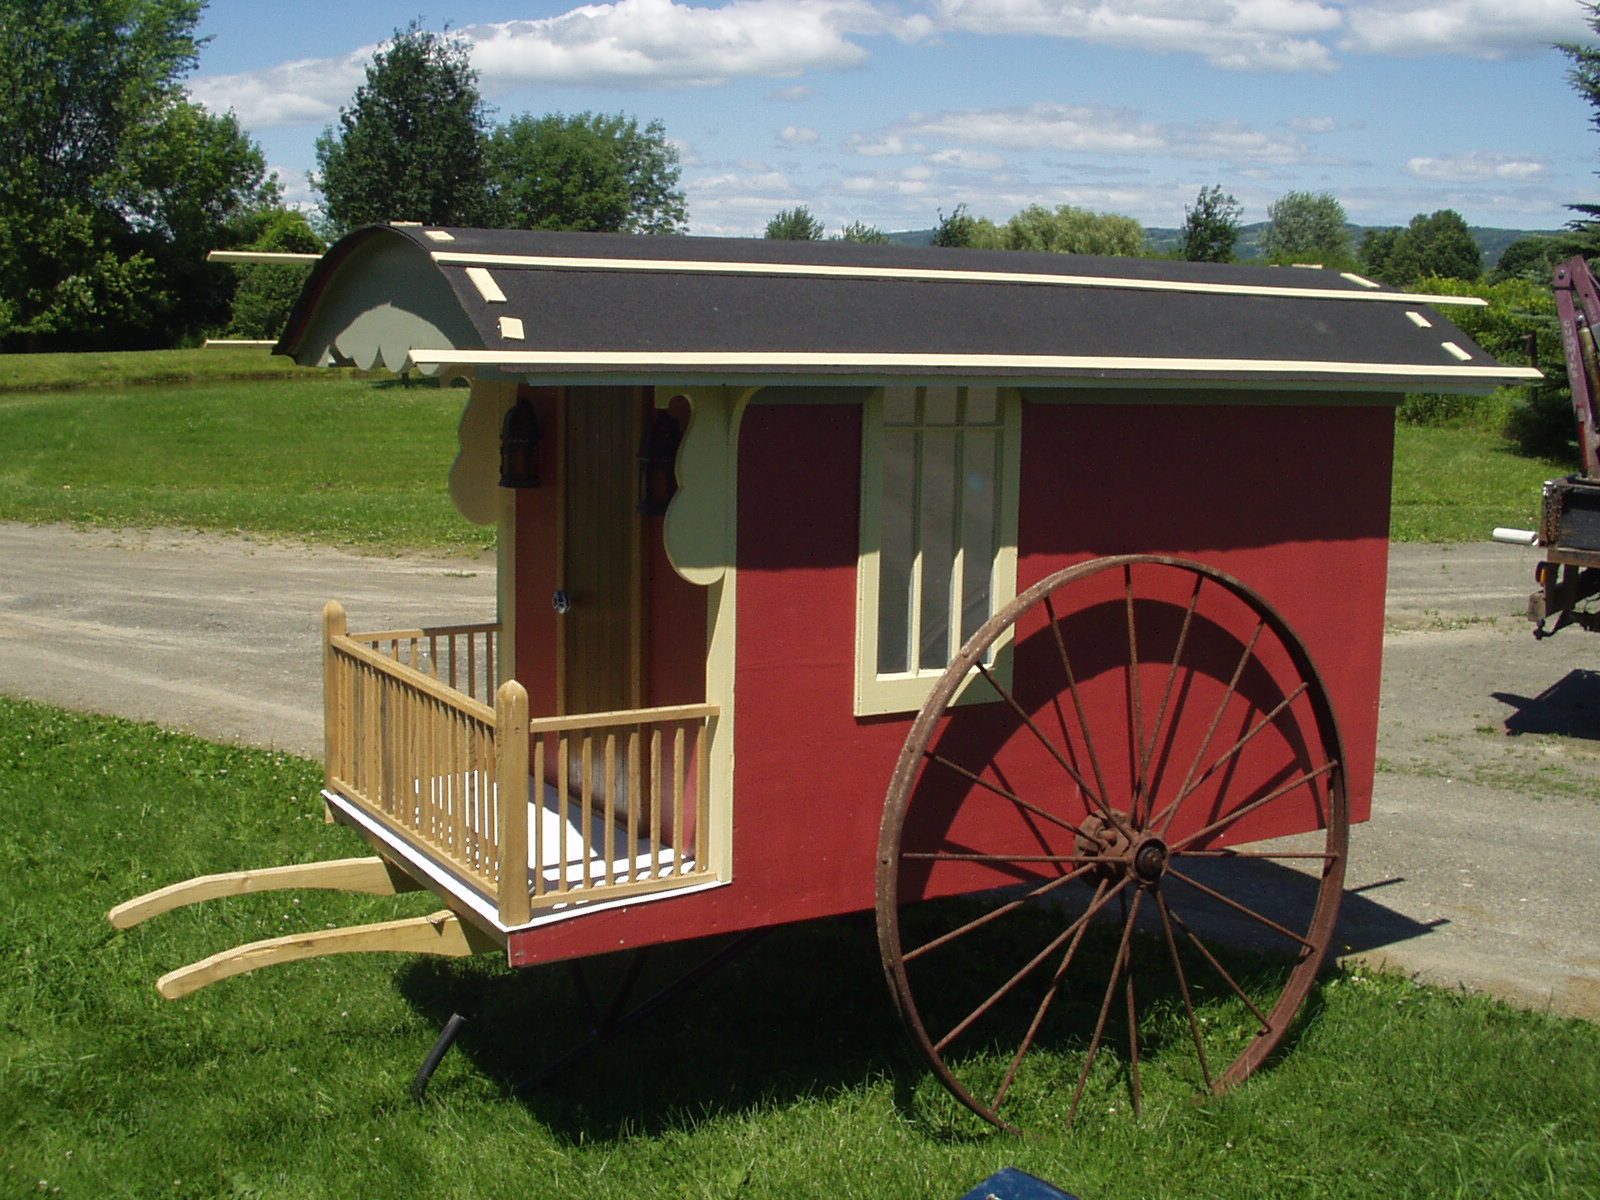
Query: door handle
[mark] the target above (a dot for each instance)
(561, 602)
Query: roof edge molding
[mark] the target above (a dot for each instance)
(373, 298)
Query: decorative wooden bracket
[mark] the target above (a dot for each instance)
(441, 933)
(375, 876)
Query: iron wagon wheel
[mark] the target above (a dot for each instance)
(1119, 820)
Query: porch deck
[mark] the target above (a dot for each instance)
(611, 804)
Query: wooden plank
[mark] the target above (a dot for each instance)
(441, 933)
(633, 716)
(374, 876)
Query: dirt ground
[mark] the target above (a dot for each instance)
(1478, 869)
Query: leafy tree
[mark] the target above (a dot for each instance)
(1583, 233)
(1533, 257)
(1439, 245)
(1070, 230)
(267, 291)
(1211, 227)
(859, 231)
(795, 225)
(411, 147)
(594, 172)
(962, 230)
(1307, 227)
(112, 183)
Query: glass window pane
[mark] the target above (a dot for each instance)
(899, 406)
(983, 406)
(897, 545)
(979, 517)
(941, 405)
(937, 528)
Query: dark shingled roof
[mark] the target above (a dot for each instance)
(565, 307)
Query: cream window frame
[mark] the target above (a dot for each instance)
(878, 692)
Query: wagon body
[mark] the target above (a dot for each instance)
(1080, 562)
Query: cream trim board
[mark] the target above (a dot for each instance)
(827, 270)
(979, 364)
(899, 692)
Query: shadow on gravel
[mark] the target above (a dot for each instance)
(1570, 707)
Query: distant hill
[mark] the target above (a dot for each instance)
(1492, 242)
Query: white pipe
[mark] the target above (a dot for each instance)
(1516, 537)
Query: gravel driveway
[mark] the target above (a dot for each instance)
(1479, 867)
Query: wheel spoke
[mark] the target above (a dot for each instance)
(1044, 741)
(1216, 719)
(1003, 793)
(997, 857)
(1242, 909)
(1146, 782)
(993, 914)
(1182, 977)
(1135, 700)
(1024, 971)
(1245, 810)
(1133, 1021)
(1231, 852)
(1077, 704)
(1118, 966)
(1047, 1000)
(1227, 977)
(1171, 810)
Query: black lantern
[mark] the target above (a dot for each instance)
(658, 461)
(519, 446)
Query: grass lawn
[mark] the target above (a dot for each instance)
(785, 1077)
(339, 461)
(1456, 485)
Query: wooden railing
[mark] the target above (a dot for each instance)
(618, 799)
(460, 656)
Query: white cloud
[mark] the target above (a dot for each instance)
(963, 159)
(882, 145)
(626, 44)
(291, 93)
(1088, 129)
(1480, 166)
(1491, 29)
(1313, 124)
(798, 135)
(1256, 35)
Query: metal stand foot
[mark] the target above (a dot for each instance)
(446, 1039)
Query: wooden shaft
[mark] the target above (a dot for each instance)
(511, 789)
(374, 876)
(441, 933)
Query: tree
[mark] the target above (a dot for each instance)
(795, 225)
(860, 231)
(1070, 230)
(593, 172)
(112, 183)
(267, 291)
(1211, 227)
(1532, 257)
(1439, 245)
(411, 146)
(1583, 232)
(1307, 227)
(962, 230)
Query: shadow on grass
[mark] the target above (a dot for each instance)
(805, 1013)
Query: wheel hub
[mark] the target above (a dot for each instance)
(1150, 860)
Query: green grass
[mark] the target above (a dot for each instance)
(1456, 485)
(322, 456)
(60, 372)
(339, 461)
(784, 1077)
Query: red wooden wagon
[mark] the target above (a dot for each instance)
(841, 578)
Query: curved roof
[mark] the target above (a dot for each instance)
(570, 307)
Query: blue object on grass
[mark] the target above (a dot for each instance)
(1008, 1183)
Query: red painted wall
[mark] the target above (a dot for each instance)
(1291, 500)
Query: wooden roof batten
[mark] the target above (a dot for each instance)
(598, 308)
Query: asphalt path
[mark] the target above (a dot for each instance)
(1478, 868)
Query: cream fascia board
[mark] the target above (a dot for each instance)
(680, 266)
(877, 694)
(1011, 365)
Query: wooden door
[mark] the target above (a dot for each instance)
(601, 638)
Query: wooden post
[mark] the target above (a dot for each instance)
(334, 625)
(511, 787)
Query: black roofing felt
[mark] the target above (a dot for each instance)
(1114, 327)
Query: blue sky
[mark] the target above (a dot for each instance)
(889, 113)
